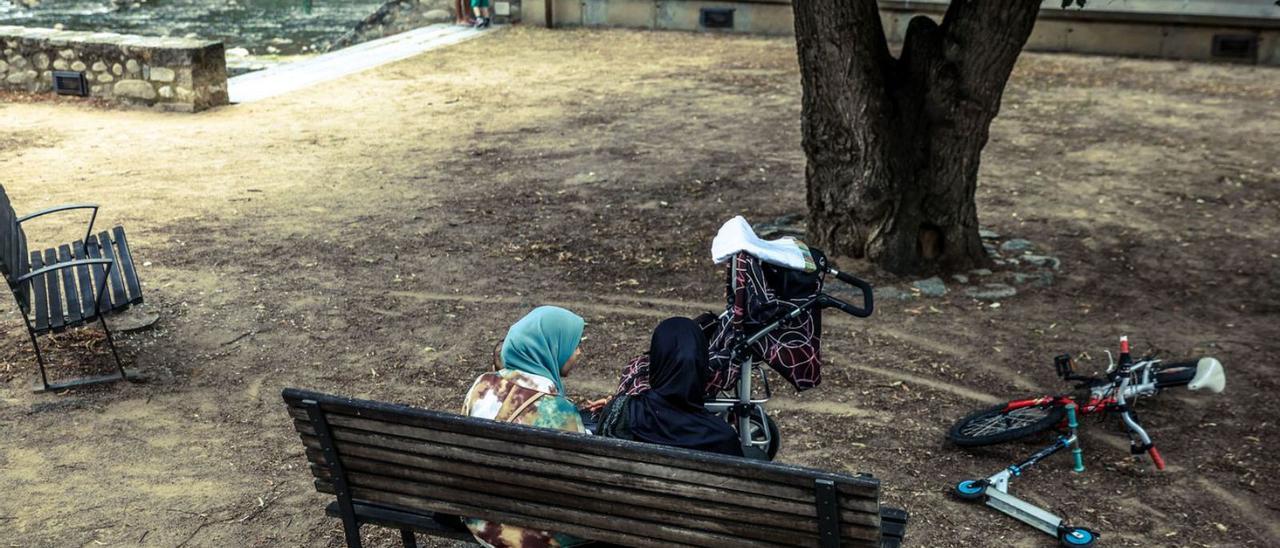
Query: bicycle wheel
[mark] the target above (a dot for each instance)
(995, 425)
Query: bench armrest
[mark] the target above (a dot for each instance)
(65, 207)
(60, 266)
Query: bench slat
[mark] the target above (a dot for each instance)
(504, 516)
(118, 297)
(399, 519)
(124, 262)
(38, 287)
(615, 491)
(103, 302)
(715, 517)
(694, 460)
(779, 493)
(72, 294)
(374, 475)
(88, 305)
(57, 319)
(677, 526)
(854, 525)
(562, 517)
(789, 524)
(559, 465)
(755, 486)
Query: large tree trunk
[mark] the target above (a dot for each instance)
(893, 145)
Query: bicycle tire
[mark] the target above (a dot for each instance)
(972, 431)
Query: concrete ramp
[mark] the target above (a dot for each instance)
(289, 77)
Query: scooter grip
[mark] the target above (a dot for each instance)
(1156, 458)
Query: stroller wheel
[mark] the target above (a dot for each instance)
(770, 429)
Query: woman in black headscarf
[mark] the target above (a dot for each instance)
(671, 412)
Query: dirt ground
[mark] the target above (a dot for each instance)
(374, 236)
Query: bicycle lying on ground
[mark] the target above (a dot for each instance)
(1114, 393)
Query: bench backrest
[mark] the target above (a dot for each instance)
(603, 489)
(14, 261)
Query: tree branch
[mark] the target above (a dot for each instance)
(982, 40)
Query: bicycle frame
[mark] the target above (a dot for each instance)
(1113, 396)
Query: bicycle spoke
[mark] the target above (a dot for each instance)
(1004, 422)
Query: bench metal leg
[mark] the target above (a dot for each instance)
(406, 536)
(352, 529)
(112, 343)
(44, 385)
(44, 379)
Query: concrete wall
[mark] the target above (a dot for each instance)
(756, 16)
(1172, 36)
(1179, 30)
(167, 73)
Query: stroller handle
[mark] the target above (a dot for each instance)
(868, 303)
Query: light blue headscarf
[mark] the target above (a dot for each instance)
(542, 341)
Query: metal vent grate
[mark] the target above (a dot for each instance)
(717, 18)
(67, 82)
(1235, 46)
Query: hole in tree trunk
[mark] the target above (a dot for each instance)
(929, 241)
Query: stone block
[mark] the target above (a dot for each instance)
(162, 74)
(190, 74)
(134, 89)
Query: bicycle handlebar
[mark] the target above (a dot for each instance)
(868, 300)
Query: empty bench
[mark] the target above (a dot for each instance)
(68, 285)
(413, 470)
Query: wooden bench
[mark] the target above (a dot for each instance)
(67, 285)
(410, 469)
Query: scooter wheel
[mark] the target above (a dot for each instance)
(1076, 537)
(971, 490)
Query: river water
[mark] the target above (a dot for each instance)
(260, 26)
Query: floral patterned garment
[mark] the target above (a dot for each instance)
(521, 398)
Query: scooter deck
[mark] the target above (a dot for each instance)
(1024, 511)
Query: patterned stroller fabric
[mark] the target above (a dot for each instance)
(756, 294)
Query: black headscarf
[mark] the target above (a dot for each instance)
(671, 412)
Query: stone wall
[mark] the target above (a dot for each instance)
(394, 17)
(167, 73)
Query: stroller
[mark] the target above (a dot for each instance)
(773, 315)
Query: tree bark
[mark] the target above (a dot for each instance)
(893, 145)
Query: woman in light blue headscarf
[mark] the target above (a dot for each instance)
(528, 389)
